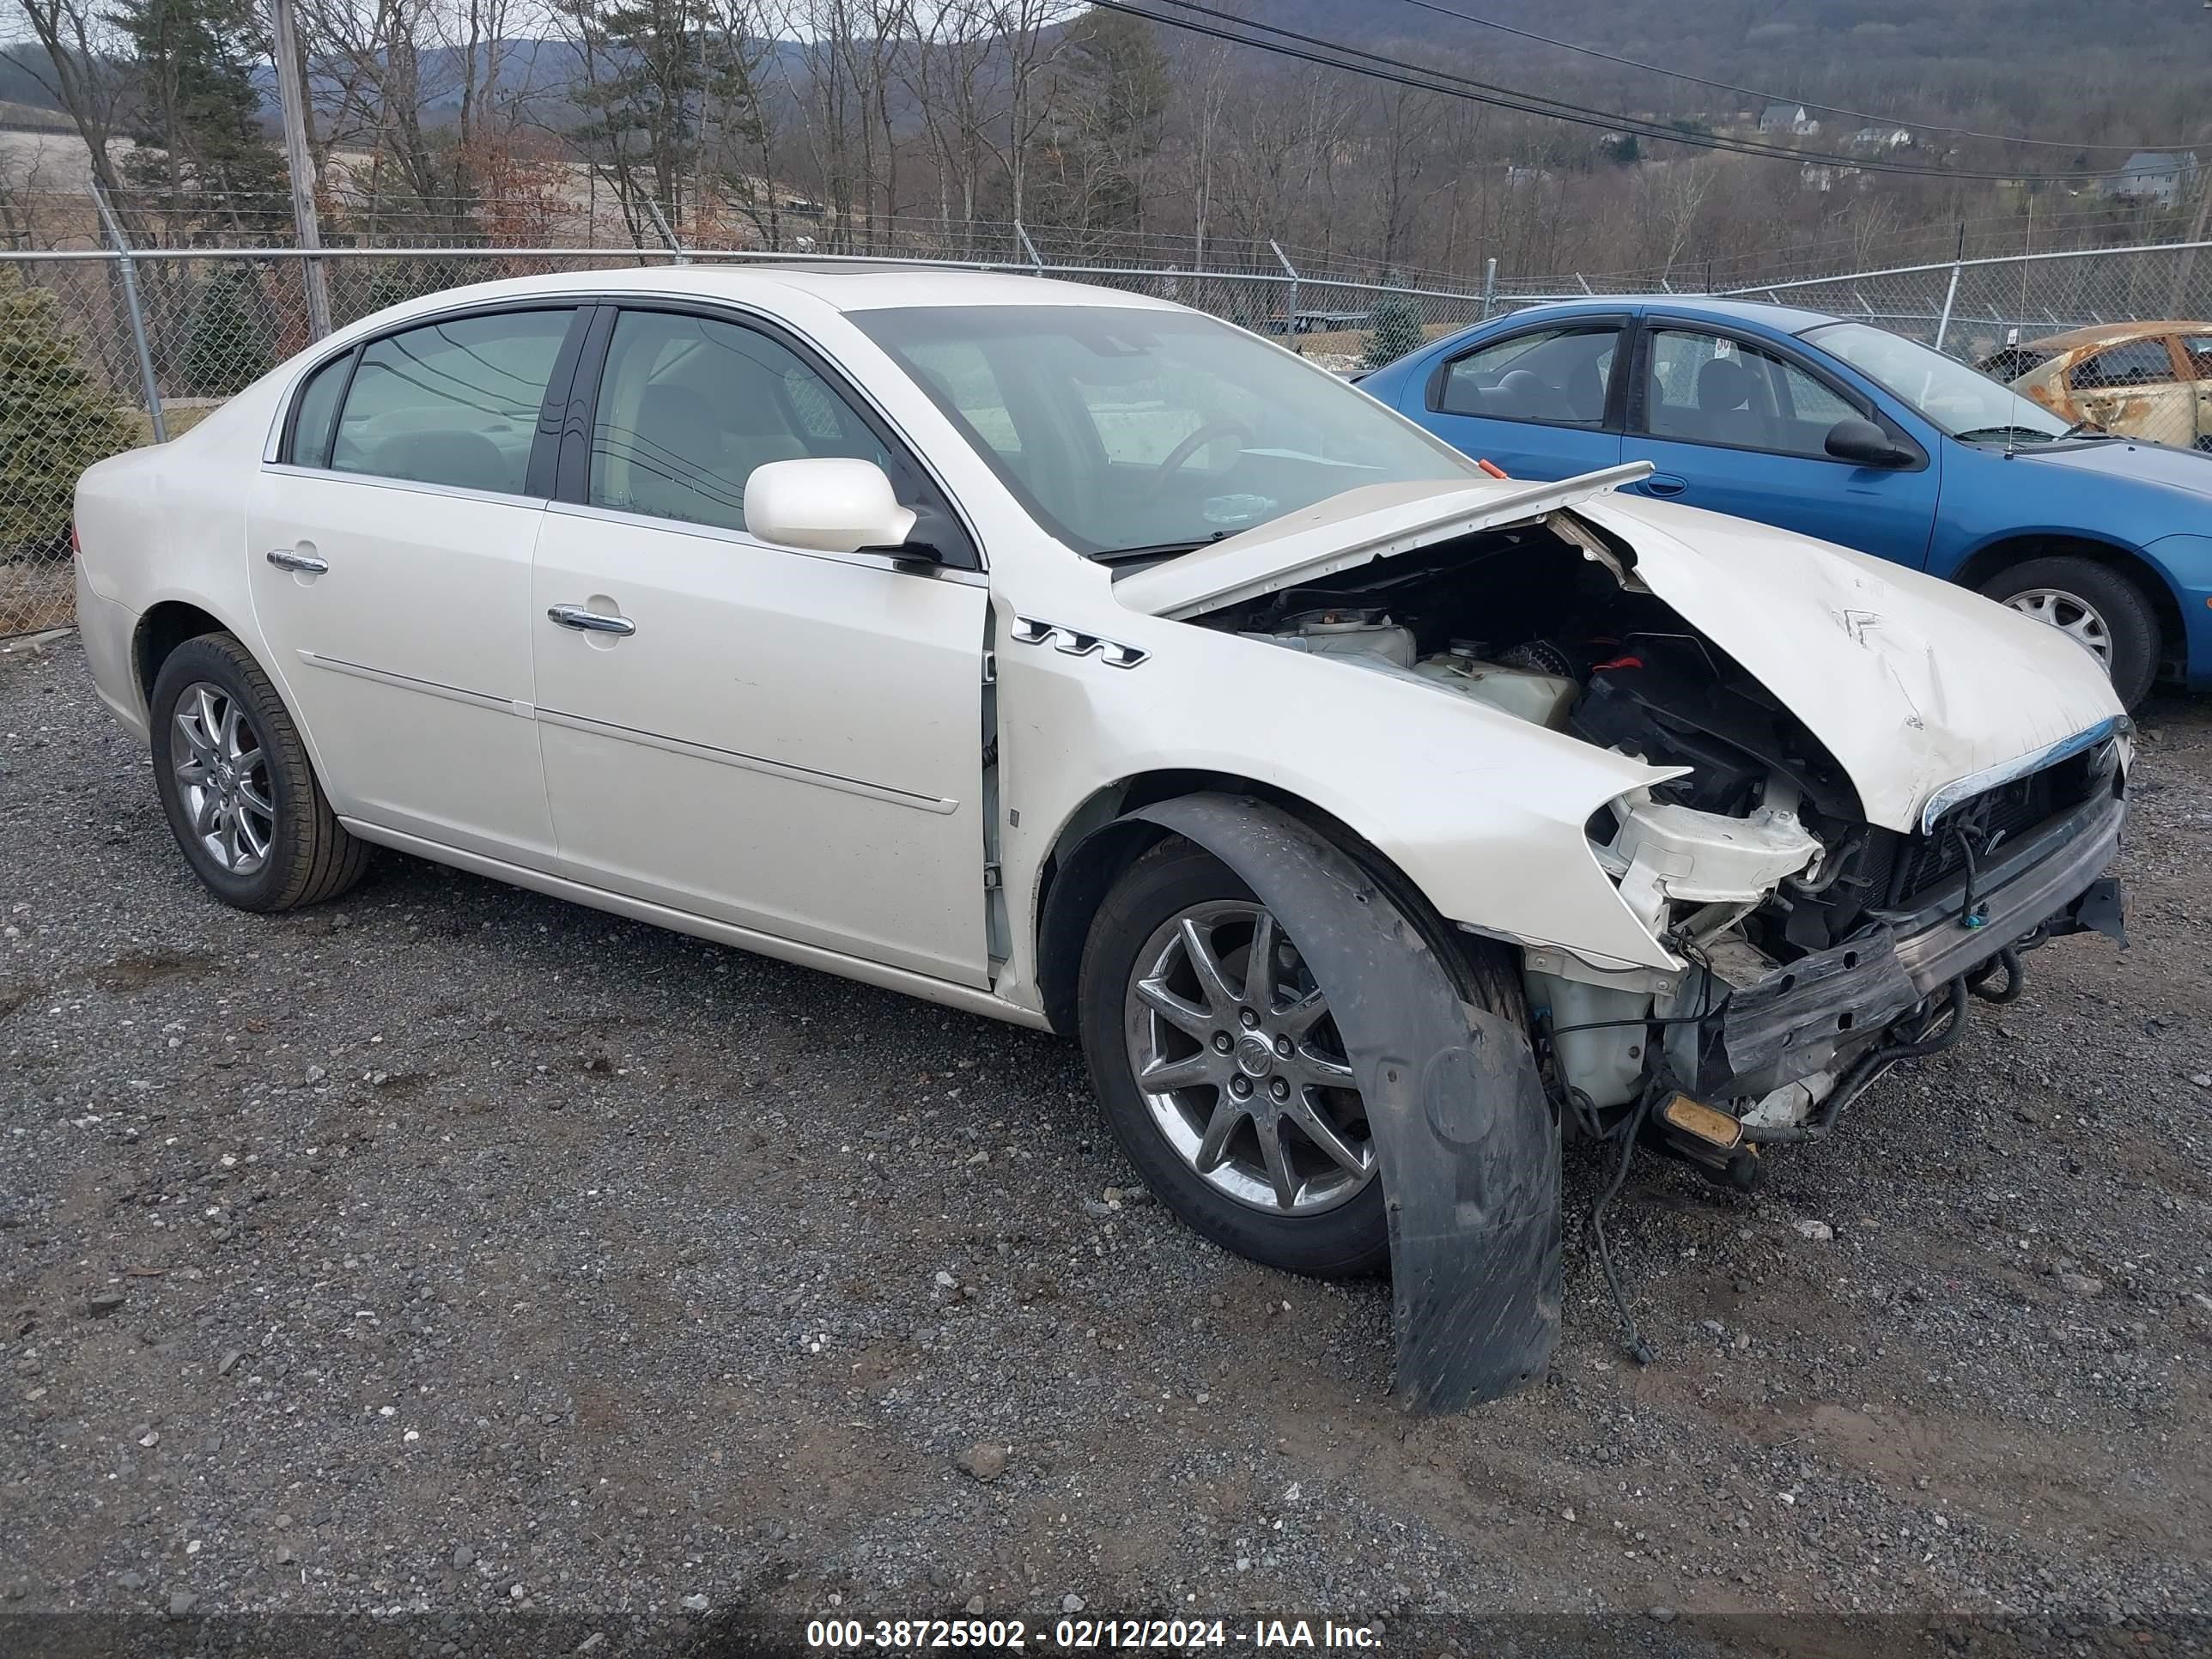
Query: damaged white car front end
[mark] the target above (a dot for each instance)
(1869, 791)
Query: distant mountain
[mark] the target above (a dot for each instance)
(2059, 63)
(2121, 72)
(540, 70)
(1817, 39)
(18, 84)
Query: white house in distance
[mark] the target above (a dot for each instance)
(1788, 117)
(2162, 177)
(1882, 138)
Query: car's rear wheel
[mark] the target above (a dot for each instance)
(1221, 1070)
(235, 781)
(2093, 605)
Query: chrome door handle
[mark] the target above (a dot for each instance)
(591, 622)
(285, 559)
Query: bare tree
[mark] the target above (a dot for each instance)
(1029, 36)
(1672, 194)
(739, 123)
(953, 74)
(82, 76)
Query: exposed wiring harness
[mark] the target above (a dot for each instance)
(1938, 1029)
(1628, 1131)
(2015, 978)
(1973, 912)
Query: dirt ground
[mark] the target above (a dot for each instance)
(472, 1272)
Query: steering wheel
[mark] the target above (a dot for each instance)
(1180, 455)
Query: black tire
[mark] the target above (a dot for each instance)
(309, 856)
(1348, 1241)
(2130, 623)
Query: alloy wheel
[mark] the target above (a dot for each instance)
(2071, 615)
(1240, 1063)
(222, 779)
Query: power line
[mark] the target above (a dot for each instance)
(1424, 78)
(1537, 103)
(1763, 97)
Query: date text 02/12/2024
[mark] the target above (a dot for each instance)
(1005, 1635)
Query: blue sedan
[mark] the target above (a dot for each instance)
(1855, 435)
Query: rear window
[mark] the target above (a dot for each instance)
(454, 402)
(2013, 362)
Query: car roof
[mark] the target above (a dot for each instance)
(2099, 334)
(854, 286)
(1760, 314)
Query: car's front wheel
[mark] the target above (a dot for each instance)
(237, 785)
(2093, 605)
(1221, 1070)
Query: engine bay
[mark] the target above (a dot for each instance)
(1757, 857)
(1543, 622)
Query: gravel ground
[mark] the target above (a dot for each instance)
(451, 1251)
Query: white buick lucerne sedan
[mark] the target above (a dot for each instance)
(1077, 660)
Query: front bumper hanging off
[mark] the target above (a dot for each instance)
(1823, 1008)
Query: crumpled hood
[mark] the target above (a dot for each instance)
(1354, 527)
(1912, 683)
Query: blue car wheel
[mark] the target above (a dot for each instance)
(2099, 608)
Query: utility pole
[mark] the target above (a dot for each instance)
(2200, 175)
(292, 97)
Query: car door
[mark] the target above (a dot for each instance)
(1540, 402)
(390, 549)
(2196, 352)
(787, 740)
(2143, 388)
(1739, 426)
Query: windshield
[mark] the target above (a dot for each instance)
(1965, 402)
(1124, 430)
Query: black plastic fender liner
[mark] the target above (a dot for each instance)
(1465, 1139)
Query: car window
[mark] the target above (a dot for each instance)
(1709, 389)
(2132, 362)
(1555, 375)
(958, 374)
(1968, 405)
(1146, 419)
(2197, 348)
(2013, 362)
(689, 406)
(454, 402)
(318, 401)
(1087, 414)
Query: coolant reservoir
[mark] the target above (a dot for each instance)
(1540, 699)
(1347, 632)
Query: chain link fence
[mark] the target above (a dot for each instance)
(101, 350)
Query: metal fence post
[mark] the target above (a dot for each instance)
(128, 269)
(1950, 299)
(1951, 293)
(1030, 248)
(1291, 313)
(660, 224)
(1488, 287)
